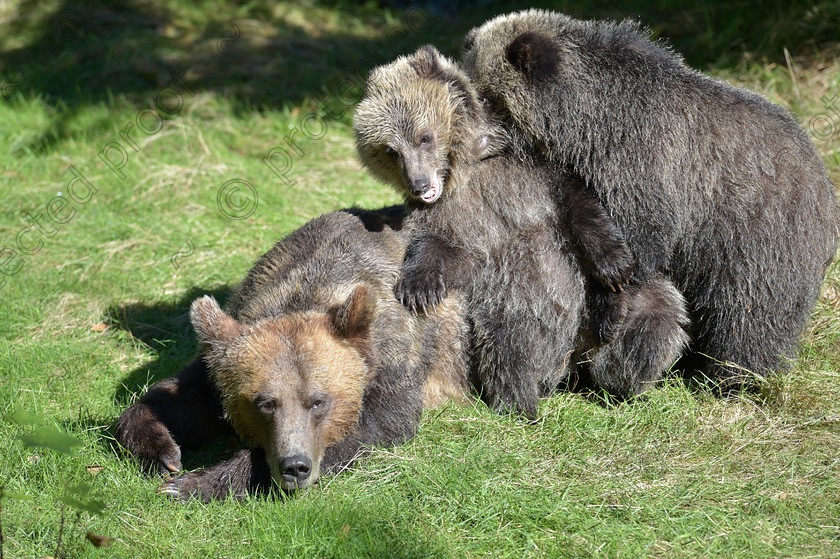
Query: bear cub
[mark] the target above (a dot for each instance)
(492, 226)
(456, 129)
(711, 185)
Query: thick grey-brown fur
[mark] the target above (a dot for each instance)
(413, 140)
(712, 185)
(497, 235)
(313, 270)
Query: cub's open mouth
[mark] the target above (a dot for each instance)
(432, 194)
(434, 191)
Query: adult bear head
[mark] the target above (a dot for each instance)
(292, 384)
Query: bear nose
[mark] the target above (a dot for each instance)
(295, 469)
(420, 186)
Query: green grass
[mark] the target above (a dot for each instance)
(681, 474)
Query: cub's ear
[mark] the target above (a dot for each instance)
(427, 61)
(488, 142)
(353, 319)
(214, 327)
(429, 52)
(469, 40)
(534, 54)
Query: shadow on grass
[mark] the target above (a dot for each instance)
(272, 55)
(89, 52)
(165, 327)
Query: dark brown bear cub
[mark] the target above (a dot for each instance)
(313, 360)
(713, 186)
(451, 126)
(488, 225)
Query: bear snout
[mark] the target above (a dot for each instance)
(420, 185)
(295, 469)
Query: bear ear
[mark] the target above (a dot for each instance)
(430, 53)
(487, 142)
(533, 54)
(426, 61)
(214, 327)
(353, 319)
(469, 40)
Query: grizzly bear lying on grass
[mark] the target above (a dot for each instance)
(313, 360)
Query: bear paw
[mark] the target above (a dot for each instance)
(616, 270)
(608, 312)
(420, 290)
(148, 440)
(182, 488)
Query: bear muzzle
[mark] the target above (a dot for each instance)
(295, 470)
(420, 185)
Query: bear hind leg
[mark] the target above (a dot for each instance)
(652, 339)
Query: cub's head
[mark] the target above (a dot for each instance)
(518, 61)
(547, 73)
(418, 118)
(293, 384)
(518, 51)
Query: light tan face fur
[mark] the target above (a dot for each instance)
(404, 133)
(289, 385)
(417, 118)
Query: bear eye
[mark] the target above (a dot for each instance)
(389, 151)
(318, 403)
(425, 139)
(266, 405)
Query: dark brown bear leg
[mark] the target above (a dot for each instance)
(431, 267)
(245, 472)
(652, 338)
(526, 310)
(182, 410)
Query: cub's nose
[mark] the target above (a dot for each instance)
(420, 186)
(295, 469)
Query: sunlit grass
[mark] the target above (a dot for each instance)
(98, 312)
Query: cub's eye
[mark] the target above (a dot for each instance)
(316, 404)
(390, 152)
(425, 139)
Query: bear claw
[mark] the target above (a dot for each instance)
(419, 294)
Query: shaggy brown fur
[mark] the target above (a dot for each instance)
(414, 140)
(313, 360)
(493, 230)
(711, 185)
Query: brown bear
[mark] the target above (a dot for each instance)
(451, 125)
(313, 360)
(711, 185)
(488, 224)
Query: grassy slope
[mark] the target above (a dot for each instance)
(681, 474)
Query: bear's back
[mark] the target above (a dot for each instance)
(316, 266)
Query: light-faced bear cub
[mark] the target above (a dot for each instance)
(711, 185)
(491, 226)
(313, 360)
(449, 125)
